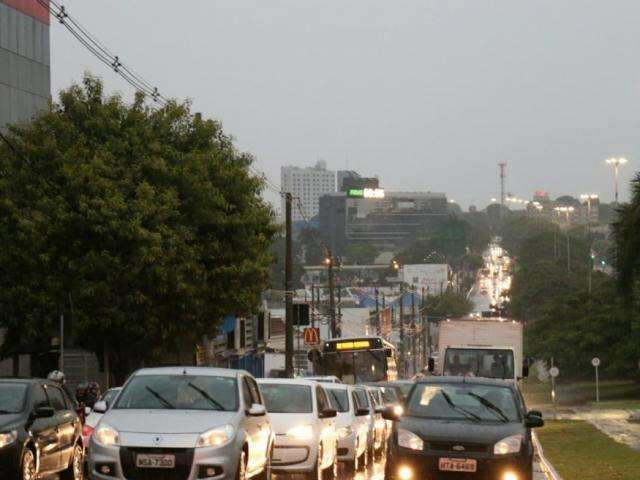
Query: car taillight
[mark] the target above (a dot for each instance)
(87, 431)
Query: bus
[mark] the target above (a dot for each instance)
(358, 359)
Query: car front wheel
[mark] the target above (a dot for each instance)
(75, 471)
(28, 466)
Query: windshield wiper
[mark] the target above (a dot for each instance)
(163, 400)
(212, 400)
(491, 406)
(460, 409)
(4, 412)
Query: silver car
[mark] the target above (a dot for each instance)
(184, 422)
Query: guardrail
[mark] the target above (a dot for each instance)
(547, 468)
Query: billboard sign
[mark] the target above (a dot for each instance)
(365, 193)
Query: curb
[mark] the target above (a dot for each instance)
(548, 469)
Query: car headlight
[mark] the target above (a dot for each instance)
(107, 436)
(407, 439)
(216, 437)
(7, 438)
(508, 445)
(343, 432)
(301, 432)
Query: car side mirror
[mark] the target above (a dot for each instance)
(533, 421)
(257, 410)
(87, 410)
(328, 413)
(361, 412)
(388, 352)
(44, 412)
(100, 407)
(535, 413)
(431, 365)
(392, 413)
(525, 369)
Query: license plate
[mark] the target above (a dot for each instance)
(144, 460)
(458, 465)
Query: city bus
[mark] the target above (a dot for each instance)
(358, 359)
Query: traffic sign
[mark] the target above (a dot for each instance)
(554, 372)
(595, 361)
(311, 336)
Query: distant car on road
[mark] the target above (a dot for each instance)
(462, 427)
(40, 432)
(304, 423)
(183, 423)
(94, 417)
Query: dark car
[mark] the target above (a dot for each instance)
(462, 428)
(402, 387)
(40, 433)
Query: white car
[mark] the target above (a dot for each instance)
(304, 423)
(352, 426)
(376, 426)
(94, 417)
(324, 379)
(382, 426)
(183, 423)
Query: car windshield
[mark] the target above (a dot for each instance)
(389, 394)
(109, 396)
(285, 398)
(182, 392)
(479, 403)
(12, 396)
(363, 398)
(339, 399)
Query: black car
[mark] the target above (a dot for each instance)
(40, 433)
(462, 428)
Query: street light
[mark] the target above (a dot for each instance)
(588, 197)
(617, 163)
(566, 210)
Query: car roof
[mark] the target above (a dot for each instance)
(202, 371)
(288, 381)
(25, 380)
(467, 380)
(335, 386)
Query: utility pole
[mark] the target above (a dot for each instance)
(402, 349)
(414, 353)
(503, 176)
(377, 314)
(425, 329)
(61, 359)
(288, 287)
(339, 322)
(313, 306)
(332, 302)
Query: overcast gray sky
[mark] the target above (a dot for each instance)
(427, 94)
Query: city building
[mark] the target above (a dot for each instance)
(307, 185)
(25, 75)
(348, 179)
(383, 219)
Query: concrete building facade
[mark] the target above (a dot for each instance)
(25, 73)
(307, 184)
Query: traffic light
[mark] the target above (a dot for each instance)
(301, 314)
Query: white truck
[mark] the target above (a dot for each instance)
(481, 347)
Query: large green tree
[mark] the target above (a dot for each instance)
(142, 226)
(361, 254)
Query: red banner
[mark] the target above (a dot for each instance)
(33, 8)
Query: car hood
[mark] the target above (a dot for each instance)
(166, 421)
(282, 422)
(460, 431)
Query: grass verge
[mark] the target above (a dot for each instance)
(579, 451)
(627, 393)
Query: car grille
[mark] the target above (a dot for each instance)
(184, 460)
(455, 447)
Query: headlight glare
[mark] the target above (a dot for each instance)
(508, 445)
(301, 432)
(216, 437)
(407, 439)
(8, 438)
(107, 436)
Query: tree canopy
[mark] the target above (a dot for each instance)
(361, 254)
(142, 226)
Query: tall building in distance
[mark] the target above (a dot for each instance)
(25, 74)
(308, 184)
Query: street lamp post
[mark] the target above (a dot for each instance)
(616, 163)
(567, 211)
(588, 197)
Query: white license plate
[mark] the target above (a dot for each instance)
(144, 460)
(458, 465)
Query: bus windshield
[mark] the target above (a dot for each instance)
(356, 367)
(488, 363)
